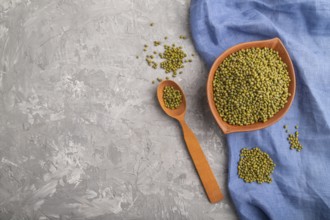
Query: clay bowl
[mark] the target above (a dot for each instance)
(275, 44)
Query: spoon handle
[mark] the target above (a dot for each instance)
(203, 168)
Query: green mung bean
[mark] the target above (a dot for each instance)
(293, 140)
(173, 59)
(156, 43)
(255, 166)
(172, 97)
(251, 85)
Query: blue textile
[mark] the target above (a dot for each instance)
(301, 180)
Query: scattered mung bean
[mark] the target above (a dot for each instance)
(173, 59)
(157, 43)
(293, 140)
(255, 166)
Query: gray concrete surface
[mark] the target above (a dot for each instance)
(81, 133)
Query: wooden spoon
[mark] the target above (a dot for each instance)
(203, 168)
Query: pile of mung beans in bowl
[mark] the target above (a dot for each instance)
(251, 86)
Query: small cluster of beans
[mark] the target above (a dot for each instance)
(173, 57)
(172, 97)
(294, 139)
(255, 166)
(251, 85)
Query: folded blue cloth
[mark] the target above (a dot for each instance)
(301, 180)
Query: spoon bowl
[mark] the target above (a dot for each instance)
(175, 113)
(275, 44)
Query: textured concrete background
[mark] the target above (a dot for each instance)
(81, 133)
